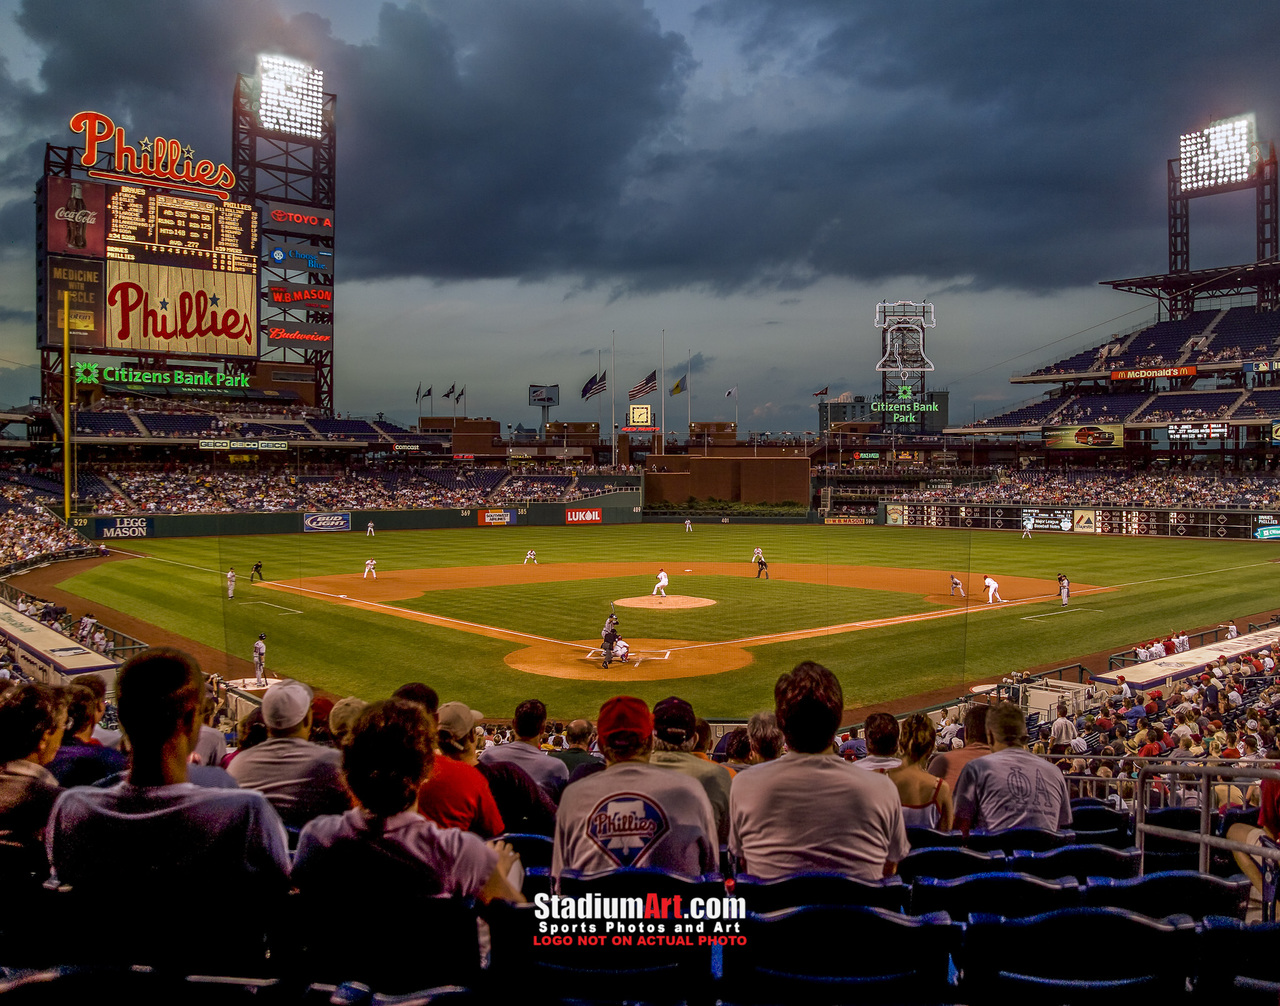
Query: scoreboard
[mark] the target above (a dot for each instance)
(155, 228)
(1198, 431)
(1087, 520)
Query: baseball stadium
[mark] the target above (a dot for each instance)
(1089, 580)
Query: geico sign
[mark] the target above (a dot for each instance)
(590, 516)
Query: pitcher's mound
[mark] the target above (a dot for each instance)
(670, 601)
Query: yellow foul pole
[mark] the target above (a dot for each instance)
(66, 405)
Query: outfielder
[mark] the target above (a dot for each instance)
(1064, 588)
(369, 565)
(661, 586)
(688, 524)
(260, 659)
(993, 589)
(1027, 524)
(231, 583)
(530, 556)
(368, 531)
(957, 585)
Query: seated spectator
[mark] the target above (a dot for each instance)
(1011, 787)
(250, 732)
(766, 739)
(926, 799)
(32, 720)
(737, 750)
(947, 764)
(853, 746)
(634, 813)
(342, 719)
(153, 835)
(882, 743)
(523, 805)
(675, 734)
(79, 761)
(577, 749)
(456, 795)
(384, 841)
(301, 779)
(526, 752)
(810, 810)
(94, 682)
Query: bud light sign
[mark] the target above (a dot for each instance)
(326, 522)
(123, 527)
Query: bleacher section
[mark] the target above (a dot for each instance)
(1242, 334)
(106, 424)
(270, 431)
(1188, 406)
(176, 424)
(1034, 414)
(532, 487)
(1163, 344)
(1101, 408)
(1263, 403)
(1081, 363)
(345, 428)
(482, 480)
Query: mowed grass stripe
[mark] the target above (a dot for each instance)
(352, 651)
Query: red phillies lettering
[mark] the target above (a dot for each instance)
(195, 318)
(163, 161)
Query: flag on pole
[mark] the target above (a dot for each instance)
(680, 386)
(417, 395)
(822, 392)
(649, 384)
(428, 394)
(449, 393)
(462, 394)
(595, 385)
(732, 392)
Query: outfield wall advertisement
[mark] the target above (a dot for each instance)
(1090, 520)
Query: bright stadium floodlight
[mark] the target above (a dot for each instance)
(1220, 155)
(290, 97)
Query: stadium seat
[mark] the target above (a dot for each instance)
(1079, 861)
(1022, 893)
(1238, 964)
(1007, 959)
(929, 838)
(947, 864)
(1159, 853)
(799, 889)
(140, 987)
(1011, 839)
(1095, 817)
(639, 882)
(633, 969)
(886, 957)
(444, 995)
(534, 850)
(1196, 894)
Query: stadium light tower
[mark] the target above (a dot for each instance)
(904, 363)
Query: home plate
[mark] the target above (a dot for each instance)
(688, 571)
(342, 595)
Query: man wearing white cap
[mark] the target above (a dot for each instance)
(301, 779)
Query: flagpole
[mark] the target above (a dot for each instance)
(613, 407)
(662, 395)
(688, 367)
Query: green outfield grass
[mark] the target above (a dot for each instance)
(1164, 585)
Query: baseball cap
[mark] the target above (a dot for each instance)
(674, 720)
(343, 715)
(457, 719)
(624, 714)
(285, 704)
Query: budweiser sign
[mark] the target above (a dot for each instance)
(160, 161)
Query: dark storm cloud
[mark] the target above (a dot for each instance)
(17, 314)
(994, 144)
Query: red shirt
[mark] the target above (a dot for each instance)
(457, 796)
(1150, 750)
(1269, 816)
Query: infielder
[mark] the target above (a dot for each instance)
(368, 531)
(530, 555)
(231, 583)
(257, 571)
(993, 589)
(957, 585)
(1027, 524)
(757, 555)
(661, 586)
(1064, 588)
(260, 659)
(369, 565)
(688, 524)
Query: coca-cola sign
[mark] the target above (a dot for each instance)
(167, 310)
(76, 217)
(155, 161)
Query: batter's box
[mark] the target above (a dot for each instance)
(634, 659)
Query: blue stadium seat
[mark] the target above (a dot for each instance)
(1021, 893)
(1006, 960)
(639, 882)
(534, 850)
(883, 957)
(816, 888)
(1197, 894)
(1079, 861)
(1014, 839)
(929, 838)
(1161, 853)
(1238, 964)
(948, 864)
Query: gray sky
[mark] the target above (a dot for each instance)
(519, 179)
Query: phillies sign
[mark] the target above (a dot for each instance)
(164, 309)
(156, 161)
(588, 515)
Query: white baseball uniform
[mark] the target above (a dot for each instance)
(957, 585)
(368, 568)
(757, 554)
(661, 586)
(231, 583)
(1027, 524)
(530, 555)
(688, 525)
(621, 649)
(993, 589)
(368, 531)
(260, 661)
(1064, 589)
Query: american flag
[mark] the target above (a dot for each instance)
(649, 384)
(595, 386)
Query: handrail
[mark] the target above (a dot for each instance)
(1202, 838)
